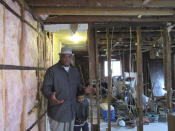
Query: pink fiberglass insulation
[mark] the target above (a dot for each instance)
(12, 39)
(28, 17)
(29, 47)
(2, 106)
(48, 52)
(14, 99)
(14, 5)
(30, 93)
(1, 103)
(1, 33)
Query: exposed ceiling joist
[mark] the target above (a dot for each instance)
(102, 3)
(88, 19)
(104, 11)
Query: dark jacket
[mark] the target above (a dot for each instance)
(82, 112)
(65, 84)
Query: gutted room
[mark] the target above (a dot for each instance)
(87, 65)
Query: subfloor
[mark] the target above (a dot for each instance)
(150, 127)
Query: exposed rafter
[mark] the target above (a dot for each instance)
(87, 19)
(102, 3)
(104, 11)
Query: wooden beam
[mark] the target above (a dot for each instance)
(109, 78)
(98, 81)
(103, 11)
(101, 3)
(167, 67)
(139, 80)
(92, 65)
(88, 19)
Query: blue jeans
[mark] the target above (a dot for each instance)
(84, 128)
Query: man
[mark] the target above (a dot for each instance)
(60, 86)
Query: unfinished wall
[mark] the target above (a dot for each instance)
(57, 45)
(20, 45)
(1, 60)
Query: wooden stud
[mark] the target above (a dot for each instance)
(167, 67)
(97, 81)
(92, 67)
(139, 80)
(109, 78)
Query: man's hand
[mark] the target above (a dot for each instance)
(55, 100)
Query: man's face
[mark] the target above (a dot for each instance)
(80, 98)
(66, 59)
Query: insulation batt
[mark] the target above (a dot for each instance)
(1, 103)
(29, 55)
(12, 39)
(13, 5)
(48, 52)
(1, 33)
(14, 99)
(1, 62)
(18, 89)
(29, 49)
(12, 79)
(30, 91)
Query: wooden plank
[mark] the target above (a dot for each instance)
(103, 11)
(92, 66)
(98, 81)
(109, 78)
(102, 3)
(167, 67)
(100, 19)
(139, 80)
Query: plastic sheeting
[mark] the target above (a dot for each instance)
(157, 77)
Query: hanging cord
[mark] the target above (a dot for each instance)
(130, 45)
(130, 58)
(112, 36)
(111, 44)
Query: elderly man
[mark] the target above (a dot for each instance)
(61, 83)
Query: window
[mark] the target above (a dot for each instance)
(115, 66)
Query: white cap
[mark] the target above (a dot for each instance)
(66, 50)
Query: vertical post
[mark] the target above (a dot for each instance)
(109, 78)
(92, 66)
(123, 62)
(139, 80)
(167, 67)
(97, 80)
